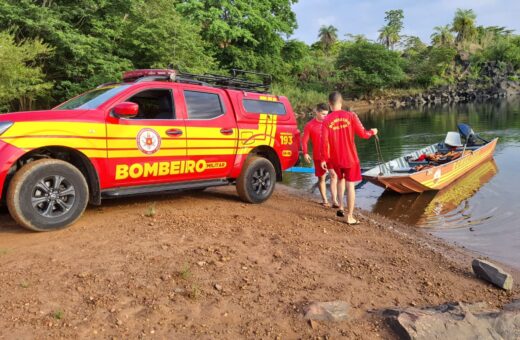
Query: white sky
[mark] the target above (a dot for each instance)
(420, 16)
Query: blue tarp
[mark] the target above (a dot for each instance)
(301, 170)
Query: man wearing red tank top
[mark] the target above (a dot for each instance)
(339, 149)
(312, 130)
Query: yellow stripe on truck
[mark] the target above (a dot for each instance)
(89, 138)
(74, 143)
(76, 129)
(137, 153)
(132, 143)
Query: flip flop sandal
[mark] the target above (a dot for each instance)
(326, 205)
(335, 206)
(354, 223)
(340, 213)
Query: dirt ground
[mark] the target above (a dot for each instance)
(207, 266)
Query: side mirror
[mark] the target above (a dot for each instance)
(126, 110)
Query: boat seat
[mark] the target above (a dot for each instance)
(415, 163)
(443, 148)
(404, 169)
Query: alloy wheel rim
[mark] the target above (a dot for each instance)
(53, 196)
(261, 181)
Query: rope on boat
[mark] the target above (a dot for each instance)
(379, 155)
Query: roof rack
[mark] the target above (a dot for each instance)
(237, 81)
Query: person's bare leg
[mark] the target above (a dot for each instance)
(341, 193)
(322, 185)
(333, 187)
(351, 201)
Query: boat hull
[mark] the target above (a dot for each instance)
(438, 177)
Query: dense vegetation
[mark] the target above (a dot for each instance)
(51, 50)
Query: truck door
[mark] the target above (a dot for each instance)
(212, 133)
(151, 147)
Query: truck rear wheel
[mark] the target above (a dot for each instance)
(47, 194)
(257, 180)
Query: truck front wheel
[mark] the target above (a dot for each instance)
(47, 194)
(257, 180)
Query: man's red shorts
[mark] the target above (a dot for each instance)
(352, 174)
(318, 171)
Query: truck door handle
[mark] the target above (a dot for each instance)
(174, 132)
(226, 131)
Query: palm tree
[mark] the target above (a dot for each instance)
(464, 25)
(357, 38)
(328, 35)
(486, 36)
(388, 37)
(442, 36)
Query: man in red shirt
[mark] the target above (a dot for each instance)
(338, 147)
(313, 130)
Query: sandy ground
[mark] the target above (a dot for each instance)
(208, 266)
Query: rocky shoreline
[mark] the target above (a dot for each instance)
(461, 93)
(495, 82)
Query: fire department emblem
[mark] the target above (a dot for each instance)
(148, 141)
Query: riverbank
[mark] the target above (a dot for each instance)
(207, 265)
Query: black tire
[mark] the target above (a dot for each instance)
(257, 180)
(47, 194)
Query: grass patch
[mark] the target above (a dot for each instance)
(3, 251)
(185, 272)
(151, 211)
(58, 314)
(24, 284)
(195, 292)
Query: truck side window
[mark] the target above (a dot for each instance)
(154, 104)
(262, 106)
(203, 105)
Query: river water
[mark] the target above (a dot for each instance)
(481, 211)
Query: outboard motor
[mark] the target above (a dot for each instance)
(469, 135)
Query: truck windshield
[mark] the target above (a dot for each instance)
(92, 99)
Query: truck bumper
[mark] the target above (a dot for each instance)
(8, 156)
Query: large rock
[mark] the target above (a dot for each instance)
(327, 311)
(490, 272)
(455, 321)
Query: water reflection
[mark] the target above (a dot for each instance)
(434, 209)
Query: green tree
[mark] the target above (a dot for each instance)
(95, 41)
(487, 36)
(21, 77)
(367, 67)
(318, 73)
(243, 34)
(430, 66)
(389, 35)
(328, 35)
(442, 37)
(356, 37)
(504, 49)
(464, 25)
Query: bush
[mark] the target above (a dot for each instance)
(368, 66)
(302, 100)
(506, 50)
(431, 66)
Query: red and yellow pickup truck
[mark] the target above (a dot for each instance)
(156, 131)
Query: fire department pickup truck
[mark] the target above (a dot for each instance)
(157, 131)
